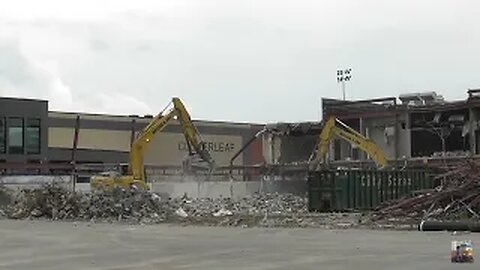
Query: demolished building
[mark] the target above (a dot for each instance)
(415, 128)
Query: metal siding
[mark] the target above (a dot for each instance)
(97, 133)
(95, 139)
(103, 139)
(58, 119)
(60, 137)
(164, 150)
(88, 156)
(174, 127)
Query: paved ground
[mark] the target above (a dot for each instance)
(47, 245)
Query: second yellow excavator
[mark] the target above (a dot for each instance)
(333, 127)
(135, 176)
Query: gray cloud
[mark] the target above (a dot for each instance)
(21, 76)
(254, 61)
(99, 44)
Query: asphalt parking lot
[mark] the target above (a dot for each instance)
(68, 245)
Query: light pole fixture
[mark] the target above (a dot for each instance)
(344, 75)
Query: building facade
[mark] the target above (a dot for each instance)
(107, 139)
(32, 135)
(23, 130)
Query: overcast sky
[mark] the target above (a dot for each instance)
(249, 61)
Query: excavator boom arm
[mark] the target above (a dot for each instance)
(190, 131)
(136, 165)
(334, 127)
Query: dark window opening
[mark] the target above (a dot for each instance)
(426, 143)
(337, 151)
(355, 154)
(297, 148)
(3, 147)
(33, 136)
(15, 135)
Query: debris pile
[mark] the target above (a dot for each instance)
(5, 200)
(137, 206)
(269, 209)
(57, 203)
(258, 204)
(458, 197)
(50, 201)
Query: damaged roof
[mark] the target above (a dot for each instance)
(389, 105)
(295, 129)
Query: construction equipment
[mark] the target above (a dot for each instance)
(135, 176)
(336, 128)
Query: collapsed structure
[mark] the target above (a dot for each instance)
(414, 128)
(457, 197)
(422, 126)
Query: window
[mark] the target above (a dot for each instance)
(3, 147)
(33, 136)
(15, 135)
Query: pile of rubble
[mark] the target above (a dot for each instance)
(457, 198)
(143, 207)
(5, 200)
(57, 203)
(269, 209)
(259, 204)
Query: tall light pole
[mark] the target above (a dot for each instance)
(343, 76)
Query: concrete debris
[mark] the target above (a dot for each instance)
(54, 202)
(5, 196)
(222, 213)
(259, 204)
(5, 200)
(181, 213)
(143, 207)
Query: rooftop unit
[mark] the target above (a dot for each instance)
(421, 98)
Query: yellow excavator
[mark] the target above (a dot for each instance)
(333, 127)
(135, 177)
